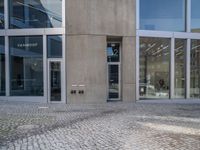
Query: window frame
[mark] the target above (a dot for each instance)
(44, 32)
(187, 15)
(188, 35)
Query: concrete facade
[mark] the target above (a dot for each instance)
(99, 49)
(90, 25)
(77, 33)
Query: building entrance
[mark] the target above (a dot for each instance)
(114, 71)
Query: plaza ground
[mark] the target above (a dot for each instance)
(139, 126)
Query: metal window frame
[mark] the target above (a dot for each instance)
(44, 32)
(49, 81)
(119, 72)
(188, 35)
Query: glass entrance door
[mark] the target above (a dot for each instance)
(55, 81)
(113, 61)
(113, 74)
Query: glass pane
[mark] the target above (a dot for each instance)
(26, 66)
(195, 69)
(113, 52)
(55, 81)
(1, 14)
(165, 15)
(195, 16)
(154, 67)
(35, 13)
(113, 81)
(54, 46)
(180, 49)
(2, 67)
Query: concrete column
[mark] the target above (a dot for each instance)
(129, 69)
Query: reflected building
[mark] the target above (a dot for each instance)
(35, 13)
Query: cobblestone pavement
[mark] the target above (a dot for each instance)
(125, 126)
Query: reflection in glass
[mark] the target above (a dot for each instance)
(180, 49)
(35, 13)
(154, 67)
(26, 66)
(55, 81)
(195, 20)
(2, 67)
(113, 52)
(54, 46)
(1, 14)
(165, 15)
(195, 69)
(113, 71)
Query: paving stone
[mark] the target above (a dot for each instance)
(123, 126)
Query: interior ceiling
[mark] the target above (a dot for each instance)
(161, 46)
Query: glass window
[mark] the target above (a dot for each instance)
(195, 20)
(35, 13)
(165, 15)
(54, 46)
(154, 67)
(2, 67)
(195, 69)
(1, 14)
(180, 49)
(113, 52)
(26, 66)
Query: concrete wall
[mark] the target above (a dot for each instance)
(128, 69)
(86, 65)
(104, 17)
(89, 23)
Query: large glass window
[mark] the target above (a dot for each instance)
(195, 20)
(165, 15)
(2, 67)
(195, 69)
(26, 66)
(154, 67)
(54, 46)
(35, 13)
(1, 14)
(180, 49)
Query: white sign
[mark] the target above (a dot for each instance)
(27, 45)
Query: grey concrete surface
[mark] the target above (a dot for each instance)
(128, 69)
(139, 126)
(89, 24)
(101, 17)
(86, 65)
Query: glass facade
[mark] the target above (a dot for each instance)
(54, 46)
(195, 69)
(180, 69)
(2, 67)
(26, 66)
(35, 13)
(195, 16)
(1, 14)
(165, 15)
(154, 67)
(25, 69)
(156, 77)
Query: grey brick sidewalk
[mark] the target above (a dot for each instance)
(105, 126)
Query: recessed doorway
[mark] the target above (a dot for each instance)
(114, 71)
